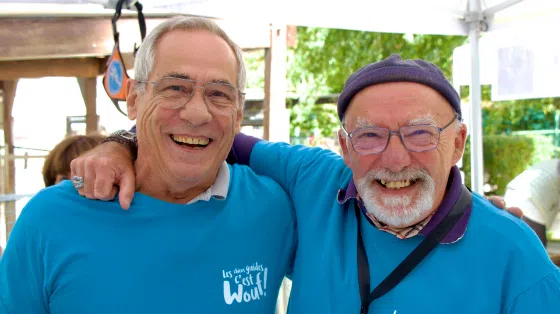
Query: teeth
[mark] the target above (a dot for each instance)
(191, 140)
(395, 184)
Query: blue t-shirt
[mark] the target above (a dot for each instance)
(71, 255)
(499, 266)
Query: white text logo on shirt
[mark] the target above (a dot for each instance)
(245, 284)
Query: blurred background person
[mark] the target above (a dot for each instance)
(537, 191)
(57, 162)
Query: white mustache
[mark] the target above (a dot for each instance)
(405, 174)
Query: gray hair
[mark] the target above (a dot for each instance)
(458, 125)
(146, 55)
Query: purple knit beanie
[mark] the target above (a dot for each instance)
(395, 69)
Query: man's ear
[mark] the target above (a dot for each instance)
(343, 145)
(460, 140)
(131, 97)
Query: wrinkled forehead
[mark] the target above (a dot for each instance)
(195, 54)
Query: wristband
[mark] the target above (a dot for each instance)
(125, 138)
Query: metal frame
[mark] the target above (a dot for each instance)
(478, 20)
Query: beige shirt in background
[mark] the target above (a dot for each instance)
(537, 192)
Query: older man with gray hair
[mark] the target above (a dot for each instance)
(200, 237)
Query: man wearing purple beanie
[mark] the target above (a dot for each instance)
(390, 228)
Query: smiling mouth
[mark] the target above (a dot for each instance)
(191, 142)
(396, 185)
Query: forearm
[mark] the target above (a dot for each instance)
(126, 139)
(242, 148)
(296, 167)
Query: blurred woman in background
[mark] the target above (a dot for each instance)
(57, 162)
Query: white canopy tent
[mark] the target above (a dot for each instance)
(519, 63)
(445, 17)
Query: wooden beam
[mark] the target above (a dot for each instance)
(70, 67)
(41, 38)
(8, 208)
(64, 37)
(276, 117)
(80, 67)
(88, 86)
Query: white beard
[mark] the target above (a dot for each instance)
(398, 211)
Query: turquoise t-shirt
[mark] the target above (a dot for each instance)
(499, 266)
(71, 255)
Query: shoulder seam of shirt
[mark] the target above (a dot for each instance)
(530, 287)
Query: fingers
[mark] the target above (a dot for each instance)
(114, 191)
(89, 181)
(102, 170)
(103, 187)
(500, 203)
(516, 211)
(98, 178)
(127, 188)
(497, 201)
(77, 169)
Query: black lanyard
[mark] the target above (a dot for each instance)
(414, 258)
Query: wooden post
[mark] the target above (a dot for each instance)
(276, 121)
(8, 209)
(88, 86)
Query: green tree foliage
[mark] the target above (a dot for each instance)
(501, 117)
(323, 59)
(330, 56)
(254, 61)
(314, 120)
(519, 115)
(505, 156)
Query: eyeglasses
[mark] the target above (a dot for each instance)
(221, 98)
(415, 138)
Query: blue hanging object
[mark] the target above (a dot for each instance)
(116, 78)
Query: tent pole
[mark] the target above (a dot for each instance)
(477, 164)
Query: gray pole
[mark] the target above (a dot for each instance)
(477, 162)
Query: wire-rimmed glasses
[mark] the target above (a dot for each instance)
(415, 138)
(221, 98)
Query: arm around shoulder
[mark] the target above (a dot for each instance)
(107, 166)
(294, 167)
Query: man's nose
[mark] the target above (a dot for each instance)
(195, 110)
(396, 156)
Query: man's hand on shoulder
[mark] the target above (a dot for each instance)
(501, 204)
(104, 170)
